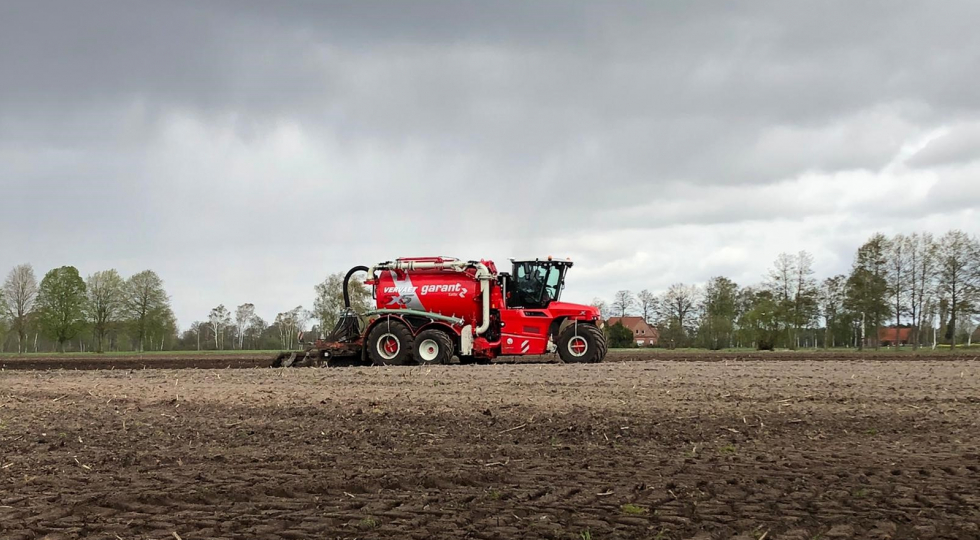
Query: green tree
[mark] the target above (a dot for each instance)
(329, 302)
(867, 287)
(105, 303)
(959, 277)
(718, 313)
(760, 323)
(619, 336)
(146, 304)
(3, 323)
(161, 327)
(61, 304)
(256, 327)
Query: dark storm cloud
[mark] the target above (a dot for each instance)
(201, 133)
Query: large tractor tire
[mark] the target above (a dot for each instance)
(390, 343)
(433, 347)
(582, 344)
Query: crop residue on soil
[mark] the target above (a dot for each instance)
(888, 448)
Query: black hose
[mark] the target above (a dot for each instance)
(350, 273)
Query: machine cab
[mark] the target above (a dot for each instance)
(535, 283)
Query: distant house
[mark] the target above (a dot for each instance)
(890, 335)
(644, 334)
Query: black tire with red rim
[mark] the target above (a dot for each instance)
(582, 343)
(390, 343)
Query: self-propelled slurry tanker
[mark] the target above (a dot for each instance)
(429, 309)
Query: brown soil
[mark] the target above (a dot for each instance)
(137, 361)
(655, 449)
(188, 360)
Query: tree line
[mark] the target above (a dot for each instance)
(927, 285)
(245, 330)
(106, 312)
(102, 312)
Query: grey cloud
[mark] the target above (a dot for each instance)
(206, 134)
(960, 145)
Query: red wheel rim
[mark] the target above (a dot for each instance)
(578, 346)
(389, 346)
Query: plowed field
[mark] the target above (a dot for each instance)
(789, 449)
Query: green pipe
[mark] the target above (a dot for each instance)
(434, 316)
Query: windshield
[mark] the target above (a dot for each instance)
(537, 283)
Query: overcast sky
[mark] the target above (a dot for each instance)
(245, 150)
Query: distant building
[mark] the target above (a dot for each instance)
(888, 336)
(643, 334)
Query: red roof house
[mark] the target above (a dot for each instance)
(643, 334)
(888, 336)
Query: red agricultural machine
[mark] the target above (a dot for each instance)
(429, 309)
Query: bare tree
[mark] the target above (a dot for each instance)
(623, 303)
(791, 283)
(781, 283)
(243, 318)
(284, 325)
(602, 306)
(678, 305)
(105, 303)
(782, 276)
(20, 296)
(959, 275)
(922, 273)
(804, 295)
(897, 275)
(290, 324)
(300, 318)
(648, 304)
(832, 294)
(219, 319)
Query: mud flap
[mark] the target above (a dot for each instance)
(466, 341)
